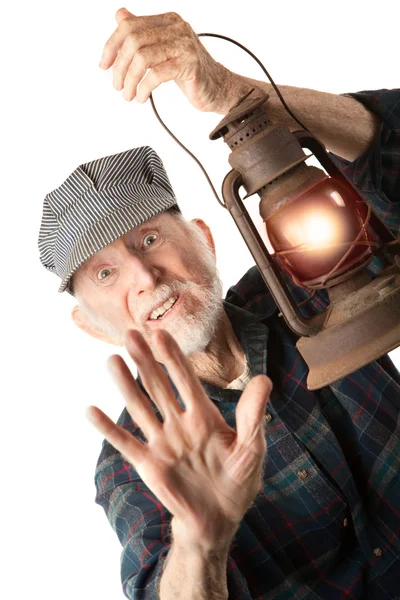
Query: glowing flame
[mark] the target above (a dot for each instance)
(318, 231)
(312, 231)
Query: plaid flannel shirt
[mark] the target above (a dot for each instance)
(326, 522)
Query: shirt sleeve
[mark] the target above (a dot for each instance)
(140, 521)
(376, 173)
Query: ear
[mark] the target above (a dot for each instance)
(82, 321)
(206, 232)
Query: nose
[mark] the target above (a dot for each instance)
(145, 276)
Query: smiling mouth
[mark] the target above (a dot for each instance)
(159, 313)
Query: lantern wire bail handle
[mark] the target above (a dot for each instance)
(223, 37)
(288, 110)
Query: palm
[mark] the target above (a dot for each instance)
(203, 471)
(197, 473)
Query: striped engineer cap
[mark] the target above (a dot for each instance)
(98, 203)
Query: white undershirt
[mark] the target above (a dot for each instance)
(241, 382)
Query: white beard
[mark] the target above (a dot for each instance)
(193, 332)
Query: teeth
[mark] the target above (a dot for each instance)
(168, 303)
(158, 312)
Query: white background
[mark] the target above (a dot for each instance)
(60, 110)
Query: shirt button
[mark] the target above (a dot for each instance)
(345, 522)
(303, 474)
(268, 417)
(378, 551)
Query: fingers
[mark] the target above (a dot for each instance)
(168, 71)
(134, 60)
(154, 379)
(129, 25)
(137, 404)
(182, 374)
(123, 13)
(251, 409)
(122, 440)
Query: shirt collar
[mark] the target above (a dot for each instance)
(252, 334)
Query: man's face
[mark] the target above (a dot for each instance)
(158, 275)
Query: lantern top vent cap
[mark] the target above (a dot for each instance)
(244, 107)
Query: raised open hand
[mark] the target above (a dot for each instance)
(202, 470)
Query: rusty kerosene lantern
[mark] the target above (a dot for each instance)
(324, 234)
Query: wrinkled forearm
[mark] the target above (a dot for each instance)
(343, 124)
(195, 571)
(188, 576)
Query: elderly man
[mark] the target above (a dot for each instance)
(201, 509)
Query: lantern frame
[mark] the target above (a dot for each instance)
(362, 321)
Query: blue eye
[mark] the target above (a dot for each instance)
(103, 273)
(149, 239)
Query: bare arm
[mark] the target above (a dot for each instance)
(193, 571)
(345, 126)
(147, 51)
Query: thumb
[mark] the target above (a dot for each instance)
(122, 13)
(251, 408)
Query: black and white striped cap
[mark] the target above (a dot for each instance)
(98, 203)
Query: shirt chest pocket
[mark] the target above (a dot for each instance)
(291, 472)
(299, 506)
(293, 482)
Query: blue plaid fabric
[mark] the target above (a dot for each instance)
(326, 522)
